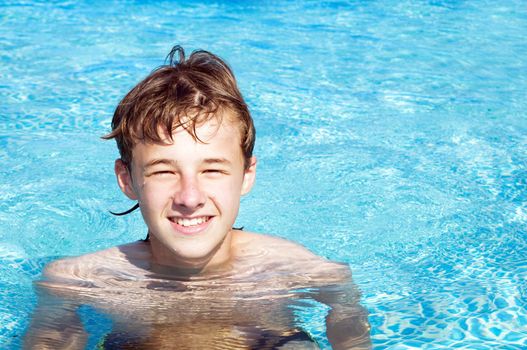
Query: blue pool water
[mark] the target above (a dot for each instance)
(392, 135)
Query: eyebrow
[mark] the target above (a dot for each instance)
(217, 161)
(162, 161)
(173, 163)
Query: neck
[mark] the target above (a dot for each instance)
(167, 259)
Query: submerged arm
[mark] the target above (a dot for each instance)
(348, 328)
(347, 324)
(55, 323)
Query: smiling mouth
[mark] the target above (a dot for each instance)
(190, 222)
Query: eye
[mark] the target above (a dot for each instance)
(214, 171)
(163, 173)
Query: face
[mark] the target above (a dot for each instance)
(189, 192)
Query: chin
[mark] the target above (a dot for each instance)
(193, 252)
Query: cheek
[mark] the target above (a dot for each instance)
(153, 196)
(226, 193)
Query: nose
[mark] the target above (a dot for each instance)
(189, 196)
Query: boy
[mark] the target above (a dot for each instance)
(186, 139)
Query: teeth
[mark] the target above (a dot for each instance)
(191, 222)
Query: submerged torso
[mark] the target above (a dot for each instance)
(248, 303)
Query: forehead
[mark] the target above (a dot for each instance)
(216, 137)
(210, 130)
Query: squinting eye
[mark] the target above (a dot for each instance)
(214, 171)
(165, 172)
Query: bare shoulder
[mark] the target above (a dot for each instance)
(295, 255)
(85, 266)
(280, 246)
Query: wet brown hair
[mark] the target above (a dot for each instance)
(184, 92)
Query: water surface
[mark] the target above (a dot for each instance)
(391, 136)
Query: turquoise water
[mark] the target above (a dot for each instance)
(391, 136)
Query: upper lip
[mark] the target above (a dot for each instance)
(181, 217)
(188, 217)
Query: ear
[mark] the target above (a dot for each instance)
(124, 179)
(249, 176)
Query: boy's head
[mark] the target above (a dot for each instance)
(186, 92)
(186, 139)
